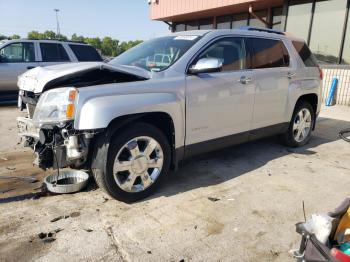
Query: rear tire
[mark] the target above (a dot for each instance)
(301, 125)
(138, 160)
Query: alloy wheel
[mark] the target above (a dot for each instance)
(302, 125)
(138, 164)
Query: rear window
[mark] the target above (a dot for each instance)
(305, 54)
(85, 53)
(268, 53)
(52, 52)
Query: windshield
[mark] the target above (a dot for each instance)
(156, 54)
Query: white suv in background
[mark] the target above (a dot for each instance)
(17, 56)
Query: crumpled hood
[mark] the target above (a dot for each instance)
(34, 80)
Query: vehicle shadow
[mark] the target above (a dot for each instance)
(221, 166)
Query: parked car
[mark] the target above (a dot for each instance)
(130, 123)
(17, 56)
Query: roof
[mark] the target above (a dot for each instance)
(42, 40)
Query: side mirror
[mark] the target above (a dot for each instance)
(206, 65)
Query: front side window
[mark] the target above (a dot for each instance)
(17, 53)
(52, 52)
(151, 54)
(268, 53)
(230, 51)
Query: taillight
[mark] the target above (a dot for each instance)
(321, 72)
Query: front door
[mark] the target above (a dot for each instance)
(15, 59)
(219, 104)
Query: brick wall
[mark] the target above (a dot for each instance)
(342, 96)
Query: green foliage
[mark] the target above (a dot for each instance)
(2, 37)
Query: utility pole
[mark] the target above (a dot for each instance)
(57, 24)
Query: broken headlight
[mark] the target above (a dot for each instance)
(56, 106)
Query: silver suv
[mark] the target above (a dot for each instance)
(130, 120)
(17, 56)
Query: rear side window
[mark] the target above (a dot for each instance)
(85, 53)
(305, 54)
(268, 53)
(52, 52)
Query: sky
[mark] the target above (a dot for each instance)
(121, 19)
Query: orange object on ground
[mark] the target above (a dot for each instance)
(343, 225)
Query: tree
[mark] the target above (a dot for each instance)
(35, 35)
(15, 37)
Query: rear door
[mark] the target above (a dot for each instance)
(15, 59)
(53, 54)
(220, 104)
(272, 74)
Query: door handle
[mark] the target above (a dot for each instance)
(30, 67)
(290, 75)
(245, 80)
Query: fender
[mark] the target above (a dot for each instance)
(98, 112)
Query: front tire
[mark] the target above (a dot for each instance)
(138, 159)
(301, 125)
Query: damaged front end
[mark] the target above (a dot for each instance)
(50, 133)
(50, 100)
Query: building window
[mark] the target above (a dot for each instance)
(192, 25)
(223, 22)
(180, 27)
(256, 22)
(239, 20)
(206, 24)
(277, 18)
(327, 28)
(346, 49)
(299, 17)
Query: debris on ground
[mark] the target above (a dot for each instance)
(213, 199)
(59, 218)
(74, 214)
(48, 237)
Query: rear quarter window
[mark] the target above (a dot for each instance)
(85, 53)
(305, 54)
(268, 53)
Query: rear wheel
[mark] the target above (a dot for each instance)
(138, 158)
(300, 127)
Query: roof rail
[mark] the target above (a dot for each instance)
(261, 29)
(48, 39)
